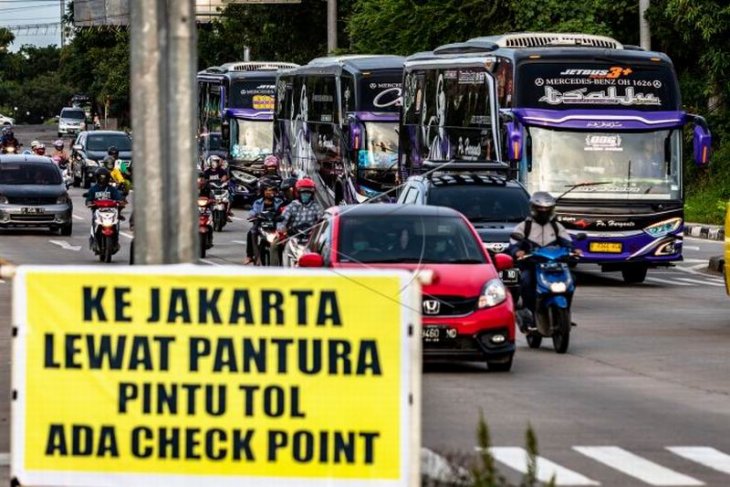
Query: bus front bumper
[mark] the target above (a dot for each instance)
(634, 247)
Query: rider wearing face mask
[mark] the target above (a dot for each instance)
(39, 150)
(540, 229)
(302, 214)
(268, 202)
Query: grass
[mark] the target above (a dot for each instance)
(706, 205)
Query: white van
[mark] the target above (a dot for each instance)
(71, 121)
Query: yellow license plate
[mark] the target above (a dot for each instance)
(606, 247)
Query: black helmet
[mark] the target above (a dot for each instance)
(113, 151)
(103, 176)
(109, 162)
(288, 184)
(542, 207)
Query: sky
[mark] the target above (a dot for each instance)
(22, 12)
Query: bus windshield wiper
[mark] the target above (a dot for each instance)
(582, 185)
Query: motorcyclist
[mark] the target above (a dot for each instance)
(59, 152)
(39, 150)
(268, 202)
(214, 170)
(540, 229)
(102, 190)
(271, 171)
(302, 214)
(8, 139)
(113, 151)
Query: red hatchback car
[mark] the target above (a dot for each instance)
(467, 312)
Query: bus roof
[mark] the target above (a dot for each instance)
(357, 63)
(240, 70)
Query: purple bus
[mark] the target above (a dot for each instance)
(599, 125)
(336, 121)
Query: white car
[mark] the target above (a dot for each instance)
(6, 120)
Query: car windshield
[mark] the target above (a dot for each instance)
(483, 202)
(394, 238)
(73, 114)
(251, 140)
(29, 173)
(382, 146)
(102, 142)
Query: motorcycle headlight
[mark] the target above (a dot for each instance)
(202, 202)
(664, 227)
(558, 287)
(62, 200)
(493, 293)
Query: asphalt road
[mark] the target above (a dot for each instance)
(642, 397)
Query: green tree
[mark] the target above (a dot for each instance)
(6, 38)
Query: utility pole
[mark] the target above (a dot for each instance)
(163, 61)
(644, 30)
(63, 32)
(331, 26)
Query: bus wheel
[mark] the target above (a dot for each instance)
(634, 274)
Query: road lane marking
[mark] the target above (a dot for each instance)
(65, 245)
(76, 217)
(516, 458)
(125, 234)
(695, 261)
(690, 247)
(238, 219)
(709, 457)
(635, 466)
(697, 281)
(666, 281)
(239, 242)
(210, 262)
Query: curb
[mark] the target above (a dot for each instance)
(717, 264)
(708, 232)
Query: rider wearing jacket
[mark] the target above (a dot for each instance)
(59, 152)
(302, 214)
(268, 202)
(215, 171)
(540, 229)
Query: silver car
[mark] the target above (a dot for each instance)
(71, 121)
(33, 194)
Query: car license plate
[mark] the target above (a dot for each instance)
(32, 211)
(510, 276)
(431, 334)
(606, 247)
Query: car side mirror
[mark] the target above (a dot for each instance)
(77, 147)
(57, 118)
(503, 262)
(580, 236)
(311, 259)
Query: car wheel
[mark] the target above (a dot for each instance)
(66, 230)
(503, 366)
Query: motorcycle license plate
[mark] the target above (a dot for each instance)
(606, 247)
(32, 211)
(510, 276)
(431, 334)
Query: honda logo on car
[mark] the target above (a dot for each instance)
(431, 307)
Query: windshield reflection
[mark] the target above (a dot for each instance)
(251, 140)
(381, 146)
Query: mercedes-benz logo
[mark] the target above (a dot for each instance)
(539, 81)
(657, 83)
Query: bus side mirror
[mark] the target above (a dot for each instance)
(528, 152)
(514, 142)
(226, 133)
(702, 143)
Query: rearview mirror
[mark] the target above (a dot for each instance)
(702, 145)
(77, 147)
(514, 142)
(503, 262)
(311, 259)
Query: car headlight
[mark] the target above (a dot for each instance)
(62, 200)
(493, 294)
(3, 199)
(91, 162)
(664, 227)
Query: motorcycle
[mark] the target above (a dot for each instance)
(220, 194)
(266, 253)
(205, 225)
(66, 172)
(10, 149)
(554, 295)
(104, 237)
(296, 246)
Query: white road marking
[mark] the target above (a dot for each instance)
(238, 219)
(65, 245)
(125, 234)
(697, 281)
(4, 459)
(695, 261)
(666, 281)
(239, 242)
(76, 217)
(516, 458)
(690, 247)
(709, 457)
(636, 466)
(210, 262)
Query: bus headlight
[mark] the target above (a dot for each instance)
(664, 227)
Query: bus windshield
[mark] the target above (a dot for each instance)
(382, 146)
(611, 165)
(251, 140)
